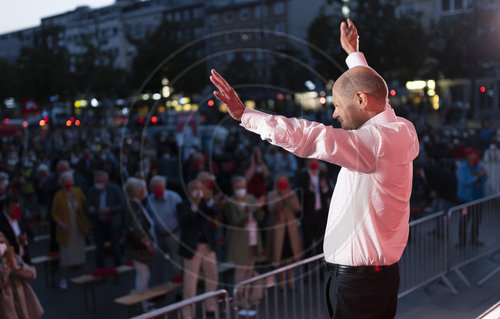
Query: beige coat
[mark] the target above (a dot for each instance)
(238, 235)
(283, 210)
(17, 299)
(60, 212)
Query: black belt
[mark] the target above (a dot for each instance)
(343, 269)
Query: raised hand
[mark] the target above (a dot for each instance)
(227, 95)
(349, 39)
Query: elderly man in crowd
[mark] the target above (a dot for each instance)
(162, 207)
(105, 208)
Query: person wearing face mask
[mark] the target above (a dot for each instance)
(242, 213)
(286, 244)
(162, 205)
(197, 245)
(316, 192)
(17, 298)
(106, 206)
(139, 235)
(71, 226)
(14, 227)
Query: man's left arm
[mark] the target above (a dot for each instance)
(353, 149)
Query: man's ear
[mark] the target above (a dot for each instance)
(362, 99)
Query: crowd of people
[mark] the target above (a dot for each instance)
(176, 212)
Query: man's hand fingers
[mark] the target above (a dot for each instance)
(222, 84)
(221, 97)
(343, 27)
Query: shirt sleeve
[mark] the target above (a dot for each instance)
(352, 149)
(356, 59)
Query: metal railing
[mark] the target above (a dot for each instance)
(305, 301)
(434, 249)
(180, 306)
(473, 234)
(424, 258)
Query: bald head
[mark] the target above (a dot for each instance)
(363, 79)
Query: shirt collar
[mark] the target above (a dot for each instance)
(383, 117)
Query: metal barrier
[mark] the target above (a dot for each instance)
(424, 258)
(179, 306)
(305, 301)
(437, 244)
(483, 238)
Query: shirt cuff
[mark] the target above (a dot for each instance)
(356, 59)
(250, 118)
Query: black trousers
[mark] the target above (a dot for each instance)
(371, 293)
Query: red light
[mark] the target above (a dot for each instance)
(72, 119)
(211, 103)
(25, 124)
(46, 119)
(42, 123)
(77, 122)
(482, 89)
(154, 119)
(68, 123)
(141, 120)
(280, 96)
(392, 92)
(322, 100)
(6, 121)
(123, 118)
(203, 117)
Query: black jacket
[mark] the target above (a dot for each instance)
(195, 224)
(8, 232)
(309, 197)
(114, 200)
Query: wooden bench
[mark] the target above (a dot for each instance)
(89, 280)
(46, 259)
(136, 298)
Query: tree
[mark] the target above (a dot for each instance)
(183, 70)
(44, 68)
(395, 45)
(9, 81)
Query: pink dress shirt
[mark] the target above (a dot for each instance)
(369, 211)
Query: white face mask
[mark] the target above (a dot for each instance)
(240, 192)
(197, 193)
(99, 186)
(3, 248)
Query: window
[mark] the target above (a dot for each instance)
(247, 56)
(186, 15)
(279, 27)
(198, 32)
(244, 14)
(214, 19)
(169, 16)
(445, 5)
(198, 13)
(260, 11)
(279, 8)
(178, 16)
(230, 57)
(228, 17)
(458, 5)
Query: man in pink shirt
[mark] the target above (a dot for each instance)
(367, 227)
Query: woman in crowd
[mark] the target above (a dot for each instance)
(17, 299)
(285, 242)
(242, 214)
(72, 225)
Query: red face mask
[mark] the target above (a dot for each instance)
(282, 185)
(86, 155)
(314, 166)
(158, 192)
(16, 213)
(211, 185)
(68, 185)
